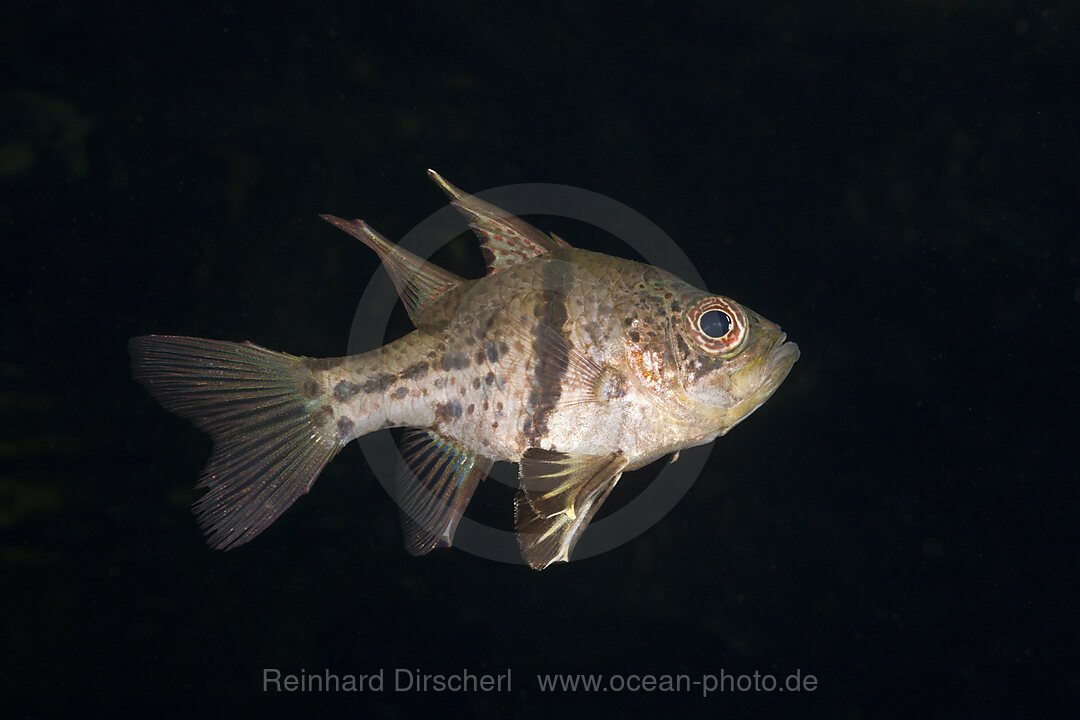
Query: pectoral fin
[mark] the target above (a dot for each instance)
(505, 240)
(434, 487)
(571, 377)
(560, 494)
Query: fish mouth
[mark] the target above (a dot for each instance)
(773, 368)
(781, 357)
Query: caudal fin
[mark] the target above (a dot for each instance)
(271, 436)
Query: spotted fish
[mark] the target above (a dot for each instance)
(577, 366)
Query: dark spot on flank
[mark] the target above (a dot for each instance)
(628, 322)
(489, 378)
(379, 383)
(440, 382)
(480, 356)
(344, 390)
(634, 335)
(400, 393)
(485, 405)
(412, 372)
(469, 410)
(502, 348)
(436, 325)
(495, 425)
(455, 361)
(498, 406)
(492, 352)
(675, 306)
(476, 383)
(449, 411)
(312, 389)
(344, 427)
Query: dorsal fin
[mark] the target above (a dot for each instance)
(505, 240)
(418, 281)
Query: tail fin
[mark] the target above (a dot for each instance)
(271, 438)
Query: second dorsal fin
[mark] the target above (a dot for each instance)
(505, 240)
(418, 281)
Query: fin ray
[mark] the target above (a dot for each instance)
(269, 445)
(419, 283)
(560, 493)
(581, 375)
(434, 486)
(505, 239)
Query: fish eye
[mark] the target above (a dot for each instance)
(717, 325)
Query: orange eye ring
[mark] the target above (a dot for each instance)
(717, 325)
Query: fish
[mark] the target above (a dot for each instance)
(578, 366)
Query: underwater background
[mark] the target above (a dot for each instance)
(895, 183)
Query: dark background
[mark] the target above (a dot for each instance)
(895, 183)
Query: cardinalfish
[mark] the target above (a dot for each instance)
(575, 365)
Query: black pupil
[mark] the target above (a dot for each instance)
(715, 323)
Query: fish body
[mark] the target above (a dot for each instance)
(576, 365)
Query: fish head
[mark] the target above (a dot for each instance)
(731, 360)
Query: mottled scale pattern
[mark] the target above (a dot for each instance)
(473, 373)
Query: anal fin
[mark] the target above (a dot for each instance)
(560, 493)
(434, 487)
